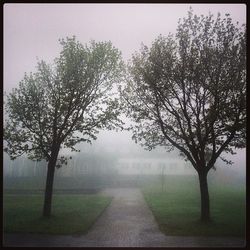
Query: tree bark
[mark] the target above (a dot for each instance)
(49, 184)
(205, 204)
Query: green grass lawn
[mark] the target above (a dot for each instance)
(71, 214)
(177, 208)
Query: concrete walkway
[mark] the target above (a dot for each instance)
(127, 222)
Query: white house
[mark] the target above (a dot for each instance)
(153, 166)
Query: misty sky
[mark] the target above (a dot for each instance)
(32, 31)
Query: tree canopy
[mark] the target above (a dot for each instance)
(63, 104)
(73, 95)
(188, 90)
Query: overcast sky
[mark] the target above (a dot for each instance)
(32, 31)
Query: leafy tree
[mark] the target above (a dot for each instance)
(63, 104)
(188, 92)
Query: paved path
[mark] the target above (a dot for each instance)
(127, 222)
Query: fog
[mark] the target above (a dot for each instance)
(32, 31)
(114, 159)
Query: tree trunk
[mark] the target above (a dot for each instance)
(205, 206)
(49, 184)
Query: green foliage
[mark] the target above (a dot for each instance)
(73, 213)
(75, 94)
(189, 90)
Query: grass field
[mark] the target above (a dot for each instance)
(71, 214)
(177, 208)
